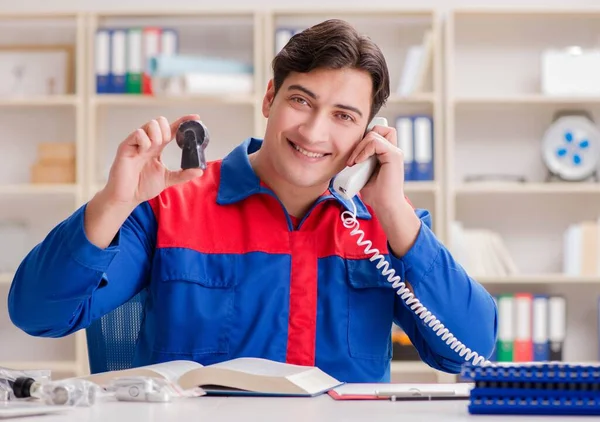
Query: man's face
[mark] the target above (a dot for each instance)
(314, 122)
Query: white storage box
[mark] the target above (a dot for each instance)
(571, 71)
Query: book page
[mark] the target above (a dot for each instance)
(262, 367)
(314, 381)
(172, 371)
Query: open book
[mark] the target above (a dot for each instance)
(242, 376)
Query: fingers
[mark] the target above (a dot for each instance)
(176, 123)
(180, 176)
(365, 148)
(366, 152)
(154, 136)
(141, 140)
(372, 144)
(170, 130)
(165, 128)
(387, 132)
(154, 133)
(357, 150)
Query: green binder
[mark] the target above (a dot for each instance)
(133, 80)
(506, 331)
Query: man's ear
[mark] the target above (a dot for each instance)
(268, 98)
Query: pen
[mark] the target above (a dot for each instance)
(414, 394)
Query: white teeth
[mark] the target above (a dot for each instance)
(308, 153)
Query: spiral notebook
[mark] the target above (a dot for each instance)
(548, 388)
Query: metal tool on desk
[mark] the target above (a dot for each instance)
(394, 392)
(418, 394)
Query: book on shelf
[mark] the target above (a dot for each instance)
(481, 252)
(241, 376)
(581, 249)
(417, 66)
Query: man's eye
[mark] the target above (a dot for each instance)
(299, 100)
(346, 117)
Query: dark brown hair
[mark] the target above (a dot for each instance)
(334, 44)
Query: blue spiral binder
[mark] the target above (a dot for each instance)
(549, 388)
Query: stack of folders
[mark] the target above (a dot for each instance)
(550, 388)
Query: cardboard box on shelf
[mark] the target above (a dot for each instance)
(52, 173)
(56, 152)
(55, 163)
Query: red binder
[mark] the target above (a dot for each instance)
(523, 344)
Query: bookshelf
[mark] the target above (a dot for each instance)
(485, 104)
(496, 115)
(26, 121)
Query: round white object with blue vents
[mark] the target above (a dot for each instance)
(571, 148)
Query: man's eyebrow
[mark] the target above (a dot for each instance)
(347, 107)
(313, 95)
(303, 89)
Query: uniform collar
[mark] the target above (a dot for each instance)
(238, 180)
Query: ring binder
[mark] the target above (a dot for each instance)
(549, 388)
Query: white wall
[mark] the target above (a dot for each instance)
(55, 5)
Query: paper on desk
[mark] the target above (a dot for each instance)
(372, 391)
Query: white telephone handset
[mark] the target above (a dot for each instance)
(348, 183)
(352, 179)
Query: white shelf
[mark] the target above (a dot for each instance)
(176, 12)
(545, 279)
(410, 367)
(38, 189)
(421, 98)
(49, 101)
(46, 14)
(537, 12)
(54, 366)
(525, 99)
(421, 187)
(6, 278)
(351, 11)
(147, 100)
(416, 370)
(478, 188)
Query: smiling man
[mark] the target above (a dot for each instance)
(249, 257)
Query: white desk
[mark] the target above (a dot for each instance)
(317, 409)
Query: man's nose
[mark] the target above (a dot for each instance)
(315, 129)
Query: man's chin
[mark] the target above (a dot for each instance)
(307, 181)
